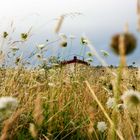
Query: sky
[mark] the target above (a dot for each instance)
(100, 20)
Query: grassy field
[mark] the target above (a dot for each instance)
(57, 103)
(42, 99)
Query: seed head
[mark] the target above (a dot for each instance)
(129, 43)
(63, 44)
(5, 34)
(131, 98)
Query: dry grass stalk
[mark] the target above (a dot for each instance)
(138, 13)
(103, 110)
(38, 111)
(8, 124)
(33, 130)
(59, 24)
(122, 50)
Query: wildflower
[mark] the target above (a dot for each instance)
(41, 46)
(14, 48)
(18, 59)
(38, 56)
(89, 54)
(8, 103)
(101, 126)
(24, 36)
(5, 34)
(121, 107)
(72, 37)
(131, 98)
(62, 36)
(110, 103)
(104, 53)
(129, 43)
(83, 41)
(89, 60)
(63, 44)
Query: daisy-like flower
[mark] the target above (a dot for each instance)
(41, 46)
(5, 34)
(72, 37)
(89, 60)
(89, 54)
(84, 41)
(63, 43)
(110, 103)
(24, 36)
(101, 126)
(104, 53)
(62, 36)
(8, 103)
(131, 98)
(38, 56)
(14, 48)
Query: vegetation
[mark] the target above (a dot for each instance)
(75, 101)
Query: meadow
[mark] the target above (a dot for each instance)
(57, 104)
(75, 101)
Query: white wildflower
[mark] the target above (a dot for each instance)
(84, 41)
(110, 103)
(41, 46)
(131, 98)
(14, 48)
(8, 103)
(62, 36)
(105, 53)
(72, 37)
(101, 126)
(39, 56)
(89, 60)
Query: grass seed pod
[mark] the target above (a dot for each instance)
(130, 43)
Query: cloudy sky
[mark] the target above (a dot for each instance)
(100, 19)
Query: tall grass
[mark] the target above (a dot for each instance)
(66, 102)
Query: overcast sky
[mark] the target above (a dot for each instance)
(100, 19)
